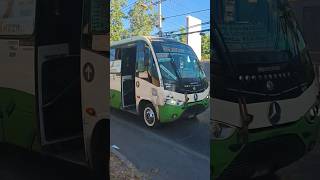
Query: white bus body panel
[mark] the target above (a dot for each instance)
(94, 94)
(17, 64)
(291, 109)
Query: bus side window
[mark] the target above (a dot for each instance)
(118, 54)
(151, 67)
(140, 58)
(112, 54)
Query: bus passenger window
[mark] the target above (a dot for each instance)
(118, 54)
(151, 67)
(140, 58)
(112, 54)
(153, 73)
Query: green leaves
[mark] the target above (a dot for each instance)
(141, 17)
(117, 15)
(205, 47)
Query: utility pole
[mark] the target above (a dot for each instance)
(160, 18)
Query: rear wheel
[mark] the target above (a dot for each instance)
(149, 116)
(99, 151)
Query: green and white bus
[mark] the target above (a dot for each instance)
(53, 79)
(265, 95)
(158, 78)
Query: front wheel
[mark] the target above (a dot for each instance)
(149, 116)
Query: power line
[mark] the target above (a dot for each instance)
(158, 2)
(181, 34)
(128, 6)
(208, 22)
(135, 2)
(187, 13)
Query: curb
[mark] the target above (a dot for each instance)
(122, 157)
(128, 163)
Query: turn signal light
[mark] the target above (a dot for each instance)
(91, 111)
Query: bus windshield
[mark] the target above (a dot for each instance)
(260, 31)
(17, 17)
(179, 65)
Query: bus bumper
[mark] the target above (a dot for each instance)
(267, 150)
(169, 113)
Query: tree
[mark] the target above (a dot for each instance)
(117, 30)
(183, 36)
(205, 47)
(142, 19)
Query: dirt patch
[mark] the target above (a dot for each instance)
(120, 170)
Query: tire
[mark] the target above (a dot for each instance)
(149, 116)
(99, 152)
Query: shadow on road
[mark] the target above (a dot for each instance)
(268, 177)
(18, 164)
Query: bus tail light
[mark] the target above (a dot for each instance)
(91, 111)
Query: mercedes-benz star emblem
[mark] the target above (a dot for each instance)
(195, 97)
(274, 113)
(270, 85)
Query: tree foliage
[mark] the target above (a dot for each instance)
(117, 30)
(183, 37)
(142, 19)
(205, 47)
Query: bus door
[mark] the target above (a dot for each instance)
(147, 79)
(58, 73)
(115, 77)
(128, 61)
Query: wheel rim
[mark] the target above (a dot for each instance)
(149, 116)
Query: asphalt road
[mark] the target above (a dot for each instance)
(179, 150)
(307, 168)
(18, 164)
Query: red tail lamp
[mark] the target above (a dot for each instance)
(91, 111)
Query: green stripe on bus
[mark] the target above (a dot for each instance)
(18, 124)
(169, 113)
(115, 98)
(222, 156)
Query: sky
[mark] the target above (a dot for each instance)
(177, 7)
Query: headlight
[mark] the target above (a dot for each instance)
(220, 131)
(312, 114)
(172, 101)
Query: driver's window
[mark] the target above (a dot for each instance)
(152, 71)
(146, 64)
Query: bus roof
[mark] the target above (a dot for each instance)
(143, 38)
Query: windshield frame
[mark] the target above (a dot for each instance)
(294, 37)
(179, 79)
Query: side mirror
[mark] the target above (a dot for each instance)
(143, 75)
